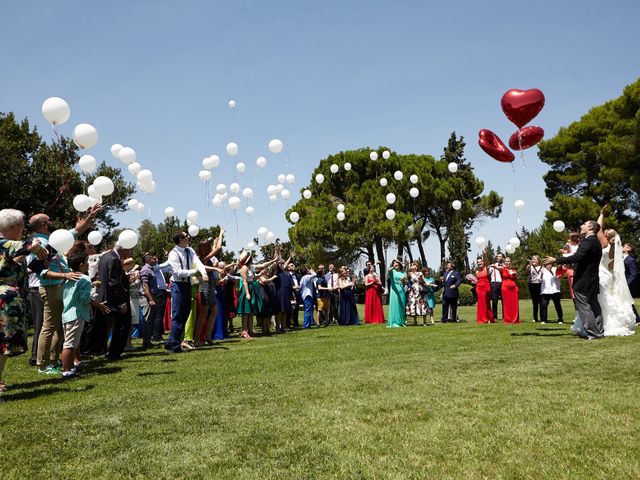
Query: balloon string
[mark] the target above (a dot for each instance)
(521, 149)
(286, 161)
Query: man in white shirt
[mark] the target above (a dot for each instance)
(184, 263)
(550, 291)
(332, 284)
(307, 291)
(496, 284)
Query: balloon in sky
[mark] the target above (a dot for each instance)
(390, 214)
(510, 248)
(232, 149)
(526, 137)
(480, 242)
(285, 193)
(62, 240)
(414, 192)
(519, 204)
(204, 175)
(234, 187)
(282, 178)
(169, 212)
(347, 166)
(115, 150)
(208, 163)
(262, 232)
(494, 147)
(128, 239)
(249, 210)
(319, 178)
(391, 198)
(85, 135)
(127, 155)
(307, 194)
(383, 182)
(221, 188)
(232, 104)
(193, 230)
(294, 217)
(134, 168)
(340, 207)
(456, 204)
(386, 154)
(276, 145)
(55, 110)
(373, 155)
(522, 106)
(216, 201)
(94, 237)
(103, 185)
(413, 179)
(234, 202)
(558, 226)
(453, 167)
(261, 162)
(290, 178)
(515, 241)
(240, 167)
(247, 193)
(334, 168)
(192, 215)
(81, 203)
(398, 175)
(87, 163)
(340, 216)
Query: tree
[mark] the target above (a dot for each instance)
(594, 161)
(38, 177)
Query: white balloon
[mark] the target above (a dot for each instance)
(215, 161)
(510, 249)
(189, 223)
(319, 178)
(234, 202)
(85, 135)
(140, 207)
(340, 207)
(414, 179)
(91, 190)
(115, 150)
(224, 196)
(234, 187)
(307, 194)
(480, 242)
(55, 110)
(398, 175)
(391, 198)
(290, 178)
(87, 163)
(145, 176)
(340, 216)
(232, 104)
(93, 201)
(414, 192)
(294, 217)
(251, 245)
(221, 188)
(169, 212)
(558, 226)
(515, 241)
(247, 193)
(270, 237)
(334, 168)
(271, 190)
(285, 193)
(193, 230)
(282, 178)
(261, 162)
(453, 167)
(81, 202)
(383, 182)
(273, 198)
(279, 188)
(386, 154)
(149, 187)
(240, 167)
(134, 168)
(207, 163)
(133, 204)
(94, 237)
(347, 166)
(390, 214)
(192, 215)
(216, 201)
(519, 204)
(232, 149)
(262, 232)
(103, 185)
(373, 155)
(456, 204)
(62, 240)
(204, 175)
(249, 210)
(128, 239)
(276, 146)
(127, 155)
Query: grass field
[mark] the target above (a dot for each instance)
(443, 401)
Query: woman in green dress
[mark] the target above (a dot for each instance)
(397, 279)
(248, 298)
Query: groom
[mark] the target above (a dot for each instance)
(585, 280)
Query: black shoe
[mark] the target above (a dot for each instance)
(33, 361)
(177, 350)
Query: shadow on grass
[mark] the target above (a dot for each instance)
(538, 334)
(58, 382)
(151, 374)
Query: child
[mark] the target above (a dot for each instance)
(76, 298)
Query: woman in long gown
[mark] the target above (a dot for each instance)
(284, 292)
(373, 312)
(483, 291)
(416, 306)
(430, 291)
(397, 279)
(348, 308)
(248, 298)
(510, 307)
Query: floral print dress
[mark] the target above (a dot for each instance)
(416, 306)
(13, 338)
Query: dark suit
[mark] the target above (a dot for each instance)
(292, 313)
(586, 284)
(114, 289)
(450, 295)
(631, 274)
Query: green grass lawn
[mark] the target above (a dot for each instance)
(443, 401)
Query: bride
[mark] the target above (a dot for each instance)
(615, 298)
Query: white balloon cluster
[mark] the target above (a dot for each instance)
(211, 162)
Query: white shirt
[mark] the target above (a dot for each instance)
(494, 274)
(332, 276)
(550, 283)
(181, 264)
(306, 285)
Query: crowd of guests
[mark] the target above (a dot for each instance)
(84, 303)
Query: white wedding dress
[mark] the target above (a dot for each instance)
(615, 298)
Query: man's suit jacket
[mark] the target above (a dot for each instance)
(587, 260)
(450, 279)
(631, 274)
(114, 288)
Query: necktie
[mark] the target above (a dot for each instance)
(187, 254)
(331, 280)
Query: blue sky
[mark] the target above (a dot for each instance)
(322, 76)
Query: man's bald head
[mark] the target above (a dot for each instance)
(39, 223)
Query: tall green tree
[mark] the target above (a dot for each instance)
(40, 177)
(595, 161)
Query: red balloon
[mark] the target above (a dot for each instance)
(521, 106)
(529, 136)
(493, 146)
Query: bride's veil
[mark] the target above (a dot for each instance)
(620, 287)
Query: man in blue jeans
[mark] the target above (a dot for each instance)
(184, 263)
(307, 292)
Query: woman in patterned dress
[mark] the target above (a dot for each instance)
(416, 306)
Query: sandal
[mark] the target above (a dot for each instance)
(3, 387)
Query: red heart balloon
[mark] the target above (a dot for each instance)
(521, 106)
(493, 146)
(529, 136)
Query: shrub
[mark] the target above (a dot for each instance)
(466, 295)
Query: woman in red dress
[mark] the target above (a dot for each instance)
(483, 291)
(373, 298)
(511, 310)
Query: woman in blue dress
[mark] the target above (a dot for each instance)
(348, 308)
(397, 279)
